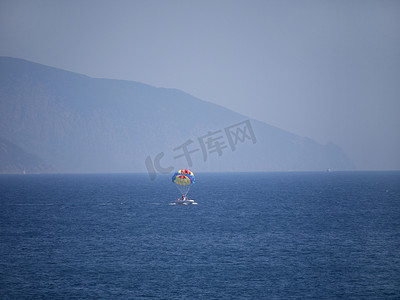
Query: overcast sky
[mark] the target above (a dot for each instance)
(328, 70)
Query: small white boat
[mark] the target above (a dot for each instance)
(185, 201)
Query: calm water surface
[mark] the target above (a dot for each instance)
(251, 236)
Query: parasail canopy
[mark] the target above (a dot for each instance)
(183, 179)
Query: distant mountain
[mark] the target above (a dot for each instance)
(81, 124)
(14, 160)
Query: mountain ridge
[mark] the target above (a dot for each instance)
(77, 123)
(14, 160)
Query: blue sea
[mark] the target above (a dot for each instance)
(252, 236)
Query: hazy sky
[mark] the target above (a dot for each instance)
(328, 70)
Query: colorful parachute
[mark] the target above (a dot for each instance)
(183, 179)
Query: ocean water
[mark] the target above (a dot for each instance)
(252, 236)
